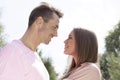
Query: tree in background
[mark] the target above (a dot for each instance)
(110, 60)
(2, 40)
(48, 64)
(113, 41)
(104, 66)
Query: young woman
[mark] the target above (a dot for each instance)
(83, 47)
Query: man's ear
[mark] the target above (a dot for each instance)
(39, 21)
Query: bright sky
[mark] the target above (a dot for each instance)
(97, 15)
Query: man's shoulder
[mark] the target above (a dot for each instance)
(9, 48)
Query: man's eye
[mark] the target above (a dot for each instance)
(54, 28)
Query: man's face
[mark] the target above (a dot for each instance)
(50, 29)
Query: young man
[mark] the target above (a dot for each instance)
(18, 60)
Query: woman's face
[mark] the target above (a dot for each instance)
(70, 45)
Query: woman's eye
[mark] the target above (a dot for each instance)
(70, 37)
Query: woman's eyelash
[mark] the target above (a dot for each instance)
(70, 37)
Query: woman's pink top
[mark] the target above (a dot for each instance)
(87, 71)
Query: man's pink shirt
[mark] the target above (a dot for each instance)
(17, 62)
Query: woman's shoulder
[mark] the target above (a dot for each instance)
(88, 67)
(92, 69)
(87, 71)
